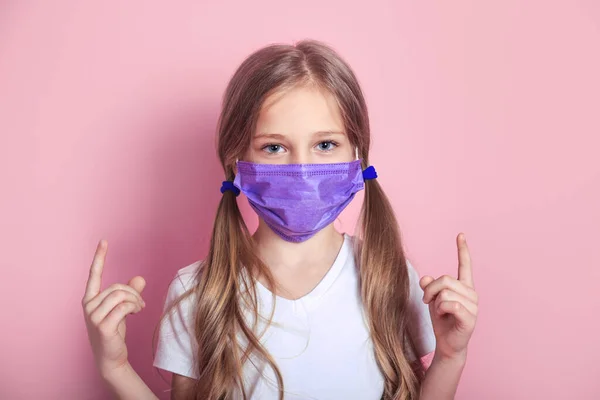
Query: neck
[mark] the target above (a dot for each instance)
(278, 253)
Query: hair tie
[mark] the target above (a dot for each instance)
(228, 185)
(369, 173)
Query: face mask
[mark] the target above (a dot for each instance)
(298, 200)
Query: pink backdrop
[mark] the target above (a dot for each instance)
(486, 118)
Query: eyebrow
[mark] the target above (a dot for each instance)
(280, 136)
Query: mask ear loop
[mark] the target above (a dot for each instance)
(369, 172)
(356, 153)
(229, 186)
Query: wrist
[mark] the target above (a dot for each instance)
(126, 384)
(116, 373)
(456, 360)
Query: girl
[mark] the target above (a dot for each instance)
(296, 310)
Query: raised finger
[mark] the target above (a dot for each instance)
(94, 281)
(465, 269)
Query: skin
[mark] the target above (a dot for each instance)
(302, 125)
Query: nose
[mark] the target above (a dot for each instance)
(300, 157)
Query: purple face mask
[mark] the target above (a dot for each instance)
(298, 200)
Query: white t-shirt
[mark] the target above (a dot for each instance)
(320, 342)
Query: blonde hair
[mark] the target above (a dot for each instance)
(225, 283)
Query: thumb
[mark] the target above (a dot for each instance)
(425, 281)
(137, 283)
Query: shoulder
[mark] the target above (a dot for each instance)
(184, 280)
(419, 320)
(176, 343)
(188, 274)
(413, 276)
(415, 295)
(180, 299)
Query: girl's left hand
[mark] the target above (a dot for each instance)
(452, 306)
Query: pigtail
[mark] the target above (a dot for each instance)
(384, 290)
(216, 307)
(226, 290)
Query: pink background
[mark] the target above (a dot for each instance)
(486, 119)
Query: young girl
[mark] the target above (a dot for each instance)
(296, 310)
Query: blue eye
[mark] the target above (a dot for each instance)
(327, 145)
(272, 148)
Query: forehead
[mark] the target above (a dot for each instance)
(304, 109)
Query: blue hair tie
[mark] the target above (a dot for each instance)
(369, 173)
(228, 185)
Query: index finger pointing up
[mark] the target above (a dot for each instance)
(94, 282)
(465, 269)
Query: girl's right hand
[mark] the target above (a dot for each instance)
(105, 314)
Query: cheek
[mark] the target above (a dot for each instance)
(252, 153)
(347, 152)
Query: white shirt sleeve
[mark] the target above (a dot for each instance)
(419, 320)
(176, 347)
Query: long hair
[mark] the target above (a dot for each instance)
(224, 287)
